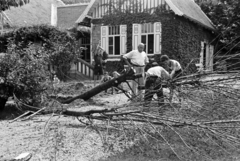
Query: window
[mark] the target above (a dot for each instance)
(150, 35)
(113, 39)
(147, 37)
(85, 42)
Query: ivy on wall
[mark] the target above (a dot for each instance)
(181, 38)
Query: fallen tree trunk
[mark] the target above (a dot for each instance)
(104, 86)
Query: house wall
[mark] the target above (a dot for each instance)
(181, 38)
(182, 41)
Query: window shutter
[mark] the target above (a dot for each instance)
(211, 51)
(207, 58)
(201, 55)
(136, 39)
(157, 38)
(104, 38)
(123, 39)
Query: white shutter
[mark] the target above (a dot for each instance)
(136, 39)
(104, 38)
(211, 51)
(157, 38)
(207, 59)
(123, 39)
(201, 55)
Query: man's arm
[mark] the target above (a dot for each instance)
(172, 73)
(165, 75)
(127, 62)
(126, 57)
(146, 60)
(174, 69)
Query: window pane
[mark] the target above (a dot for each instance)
(113, 30)
(152, 27)
(118, 30)
(142, 26)
(110, 50)
(149, 27)
(144, 41)
(145, 28)
(110, 30)
(150, 44)
(88, 53)
(110, 40)
(117, 45)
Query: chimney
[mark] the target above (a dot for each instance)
(54, 15)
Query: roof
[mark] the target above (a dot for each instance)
(186, 8)
(190, 10)
(36, 12)
(67, 15)
(75, 1)
(89, 8)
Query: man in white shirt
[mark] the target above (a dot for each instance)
(173, 65)
(137, 59)
(175, 68)
(154, 77)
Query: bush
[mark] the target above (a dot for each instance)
(61, 48)
(23, 75)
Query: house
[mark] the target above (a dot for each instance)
(35, 12)
(178, 28)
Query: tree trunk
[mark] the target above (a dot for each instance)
(104, 86)
(2, 103)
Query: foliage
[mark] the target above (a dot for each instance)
(24, 73)
(5, 4)
(226, 16)
(33, 54)
(60, 47)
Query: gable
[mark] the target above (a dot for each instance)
(67, 15)
(186, 8)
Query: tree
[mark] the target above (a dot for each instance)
(226, 16)
(22, 75)
(6, 4)
(29, 52)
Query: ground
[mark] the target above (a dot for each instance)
(64, 138)
(39, 136)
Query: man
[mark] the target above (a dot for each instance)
(100, 57)
(154, 77)
(173, 65)
(137, 59)
(175, 69)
